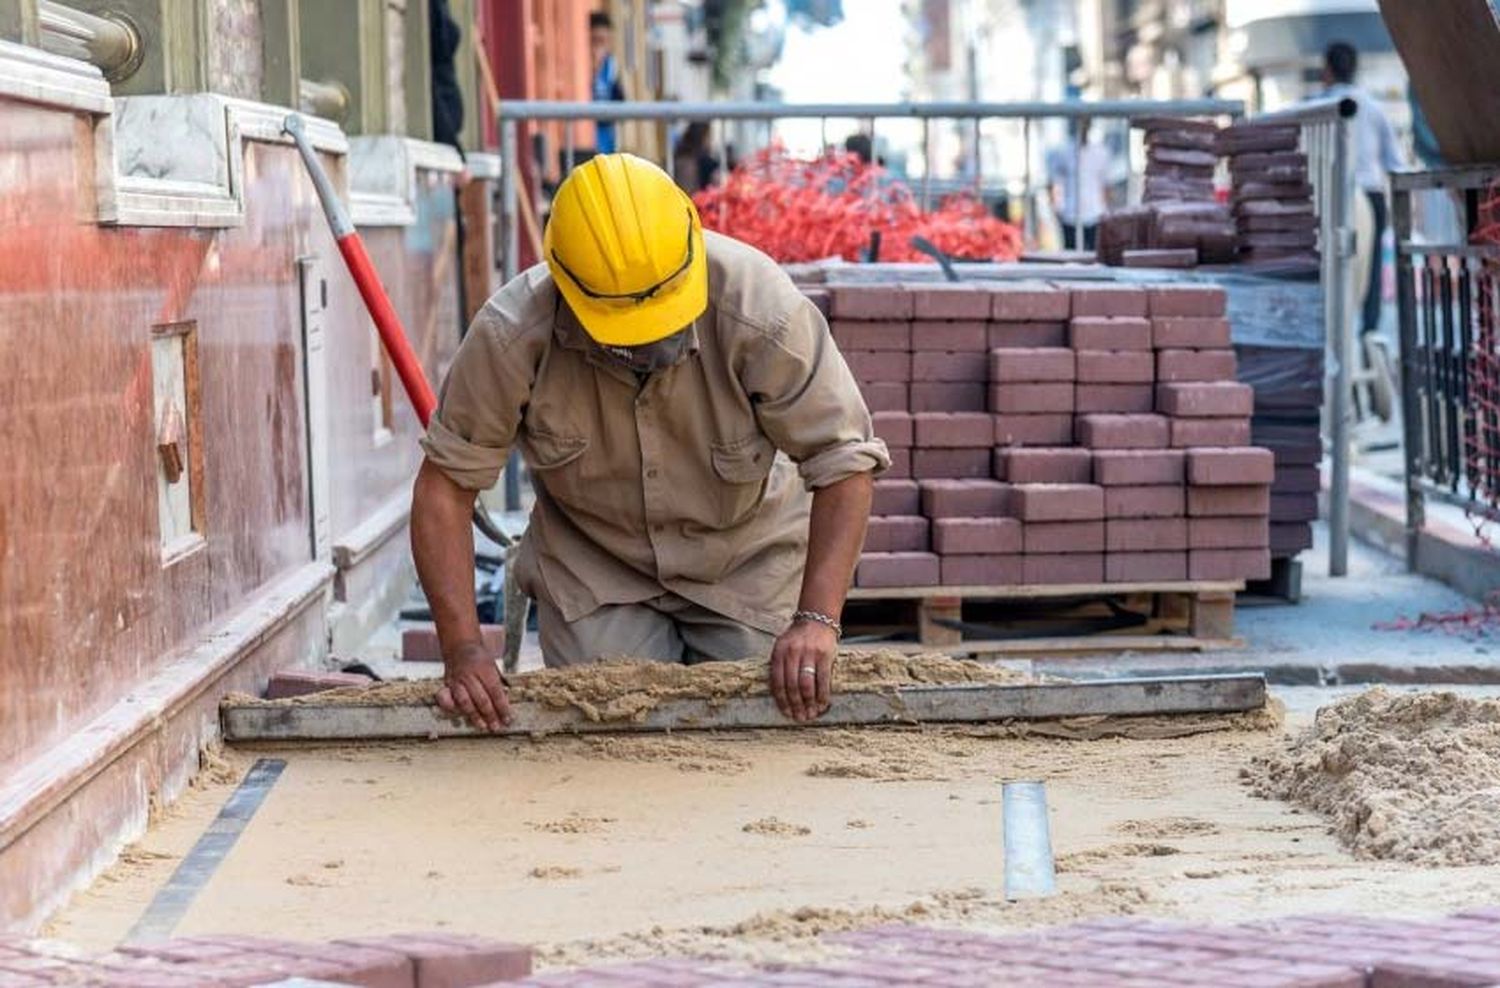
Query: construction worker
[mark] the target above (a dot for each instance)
(702, 459)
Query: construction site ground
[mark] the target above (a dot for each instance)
(752, 844)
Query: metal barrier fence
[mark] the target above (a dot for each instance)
(1448, 297)
(1027, 114)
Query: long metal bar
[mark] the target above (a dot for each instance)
(1077, 182)
(561, 110)
(1341, 326)
(1410, 413)
(314, 721)
(111, 45)
(510, 206)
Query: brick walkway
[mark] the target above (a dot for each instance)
(1461, 951)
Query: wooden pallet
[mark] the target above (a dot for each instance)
(1178, 616)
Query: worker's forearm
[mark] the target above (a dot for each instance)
(443, 548)
(835, 536)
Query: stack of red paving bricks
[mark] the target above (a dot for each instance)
(413, 960)
(1052, 434)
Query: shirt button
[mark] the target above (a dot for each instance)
(651, 473)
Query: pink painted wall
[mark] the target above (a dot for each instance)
(87, 608)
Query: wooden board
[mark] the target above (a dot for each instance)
(1451, 50)
(312, 721)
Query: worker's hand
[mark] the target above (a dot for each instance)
(472, 687)
(802, 694)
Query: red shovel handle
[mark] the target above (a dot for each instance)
(397, 346)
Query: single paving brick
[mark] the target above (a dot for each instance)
(884, 396)
(1205, 399)
(1152, 501)
(1032, 365)
(1229, 564)
(948, 300)
(1029, 301)
(953, 430)
(1139, 467)
(1211, 502)
(1014, 398)
(888, 335)
(948, 396)
(1081, 568)
(1057, 502)
(879, 366)
(965, 499)
(940, 365)
(1109, 333)
(1028, 334)
(1106, 431)
(1147, 535)
(1145, 567)
(896, 497)
(1034, 430)
(1119, 399)
(1116, 367)
(976, 536)
(959, 464)
(1042, 538)
(982, 571)
(1186, 300)
(1175, 366)
(900, 533)
(879, 302)
(1186, 433)
(1109, 300)
(1230, 466)
(1044, 464)
(897, 569)
(1245, 532)
(1190, 333)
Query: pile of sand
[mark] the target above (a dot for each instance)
(1409, 776)
(627, 689)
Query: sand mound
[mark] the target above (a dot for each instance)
(627, 689)
(1409, 776)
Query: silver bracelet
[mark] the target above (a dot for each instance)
(819, 618)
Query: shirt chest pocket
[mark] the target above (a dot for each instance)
(741, 468)
(550, 451)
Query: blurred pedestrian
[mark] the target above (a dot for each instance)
(447, 99)
(693, 164)
(1079, 175)
(606, 85)
(1376, 154)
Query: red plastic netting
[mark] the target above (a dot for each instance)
(1482, 435)
(798, 210)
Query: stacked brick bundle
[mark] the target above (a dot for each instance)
(1180, 222)
(1273, 206)
(1074, 436)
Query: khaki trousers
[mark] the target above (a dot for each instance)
(668, 628)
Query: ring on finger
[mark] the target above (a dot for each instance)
(808, 671)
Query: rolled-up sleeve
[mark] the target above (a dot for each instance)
(479, 406)
(807, 402)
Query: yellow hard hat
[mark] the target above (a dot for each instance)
(625, 248)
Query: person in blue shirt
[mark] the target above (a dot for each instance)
(606, 85)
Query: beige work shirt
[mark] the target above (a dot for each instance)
(685, 483)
